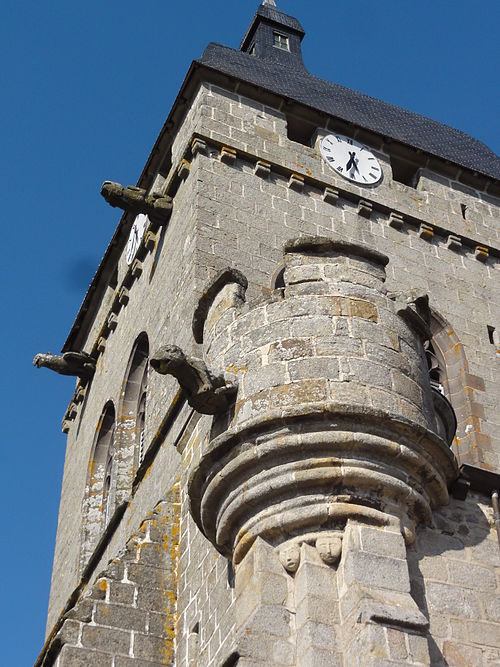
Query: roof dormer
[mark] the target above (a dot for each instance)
(275, 37)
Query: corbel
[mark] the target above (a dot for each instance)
(296, 182)
(481, 253)
(396, 221)
(426, 231)
(331, 196)
(262, 169)
(365, 208)
(198, 146)
(183, 169)
(228, 155)
(123, 296)
(454, 242)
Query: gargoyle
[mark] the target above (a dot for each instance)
(78, 364)
(207, 393)
(136, 200)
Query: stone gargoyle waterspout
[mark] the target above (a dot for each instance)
(206, 392)
(136, 200)
(79, 364)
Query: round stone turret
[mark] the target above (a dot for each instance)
(334, 416)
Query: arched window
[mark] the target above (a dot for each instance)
(99, 491)
(131, 423)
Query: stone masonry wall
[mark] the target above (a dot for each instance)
(248, 190)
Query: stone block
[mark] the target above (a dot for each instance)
(155, 649)
(382, 542)
(118, 616)
(314, 657)
(452, 600)
(110, 640)
(397, 644)
(375, 571)
(484, 634)
(461, 655)
(472, 576)
(71, 656)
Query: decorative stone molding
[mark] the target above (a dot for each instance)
(365, 208)
(296, 182)
(112, 322)
(183, 169)
(228, 155)
(481, 253)
(136, 268)
(331, 196)
(150, 240)
(426, 232)
(123, 296)
(396, 221)
(454, 243)
(325, 433)
(262, 169)
(199, 146)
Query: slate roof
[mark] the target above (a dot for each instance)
(385, 119)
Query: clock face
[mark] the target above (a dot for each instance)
(135, 238)
(351, 159)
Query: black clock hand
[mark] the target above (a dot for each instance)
(352, 162)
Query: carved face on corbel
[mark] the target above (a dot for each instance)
(329, 549)
(290, 558)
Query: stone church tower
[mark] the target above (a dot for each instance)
(284, 440)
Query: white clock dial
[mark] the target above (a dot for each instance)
(351, 159)
(135, 238)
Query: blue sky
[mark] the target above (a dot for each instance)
(85, 88)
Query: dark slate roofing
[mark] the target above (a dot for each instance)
(273, 14)
(385, 119)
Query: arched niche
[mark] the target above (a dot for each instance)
(131, 420)
(460, 388)
(98, 498)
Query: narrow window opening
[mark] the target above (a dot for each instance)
(141, 425)
(281, 41)
(230, 574)
(491, 335)
(435, 370)
(464, 210)
(278, 281)
(299, 130)
(404, 172)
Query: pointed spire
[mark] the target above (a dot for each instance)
(271, 3)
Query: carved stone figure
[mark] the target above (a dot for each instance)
(206, 392)
(136, 200)
(290, 558)
(329, 548)
(79, 364)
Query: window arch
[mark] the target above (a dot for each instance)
(131, 423)
(99, 490)
(456, 383)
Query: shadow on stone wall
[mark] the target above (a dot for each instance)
(452, 578)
